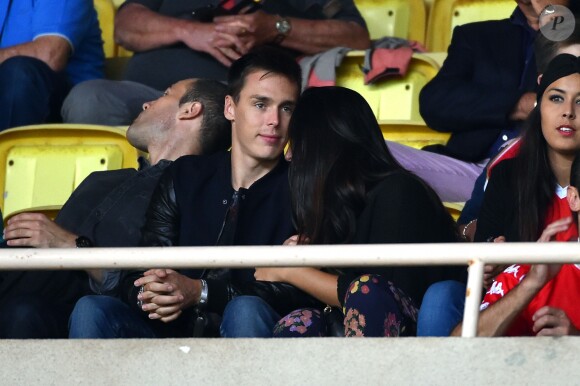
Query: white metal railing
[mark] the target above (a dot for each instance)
(475, 255)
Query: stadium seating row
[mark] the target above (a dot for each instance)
(429, 22)
(56, 158)
(40, 165)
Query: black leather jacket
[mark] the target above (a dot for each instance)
(188, 209)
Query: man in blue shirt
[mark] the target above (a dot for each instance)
(46, 47)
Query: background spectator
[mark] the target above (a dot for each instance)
(46, 47)
(170, 45)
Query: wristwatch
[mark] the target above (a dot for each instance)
(203, 295)
(83, 242)
(283, 27)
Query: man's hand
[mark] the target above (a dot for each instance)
(540, 274)
(551, 321)
(251, 29)
(204, 37)
(524, 106)
(37, 230)
(554, 228)
(167, 293)
(490, 271)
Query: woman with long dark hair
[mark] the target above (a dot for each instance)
(347, 188)
(529, 192)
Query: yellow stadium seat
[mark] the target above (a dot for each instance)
(106, 14)
(395, 100)
(416, 135)
(445, 15)
(41, 165)
(123, 52)
(428, 6)
(49, 211)
(454, 208)
(118, 3)
(399, 18)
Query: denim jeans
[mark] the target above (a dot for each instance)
(248, 317)
(30, 92)
(99, 316)
(442, 308)
(105, 317)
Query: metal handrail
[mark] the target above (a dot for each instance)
(474, 255)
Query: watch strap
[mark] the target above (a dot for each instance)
(83, 242)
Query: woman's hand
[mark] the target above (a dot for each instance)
(292, 240)
(554, 228)
(272, 273)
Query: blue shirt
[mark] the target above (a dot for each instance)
(22, 21)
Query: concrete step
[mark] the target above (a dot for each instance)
(315, 361)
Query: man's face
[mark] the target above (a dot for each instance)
(535, 7)
(157, 117)
(260, 117)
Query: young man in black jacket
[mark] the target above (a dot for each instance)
(232, 198)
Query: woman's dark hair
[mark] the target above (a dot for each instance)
(535, 180)
(338, 154)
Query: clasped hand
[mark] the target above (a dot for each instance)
(166, 293)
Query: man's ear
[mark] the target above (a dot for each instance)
(230, 108)
(540, 78)
(190, 110)
(573, 199)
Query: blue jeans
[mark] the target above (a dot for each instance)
(30, 92)
(442, 308)
(98, 316)
(248, 317)
(105, 317)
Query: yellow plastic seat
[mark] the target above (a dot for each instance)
(50, 211)
(454, 208)
(41, 165)
(123, 52)
(395, 100)
(399, 18)
(118, 3)
(445, 15)
(413, 134)
(106, 14)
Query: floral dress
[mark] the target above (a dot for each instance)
(373, 307)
